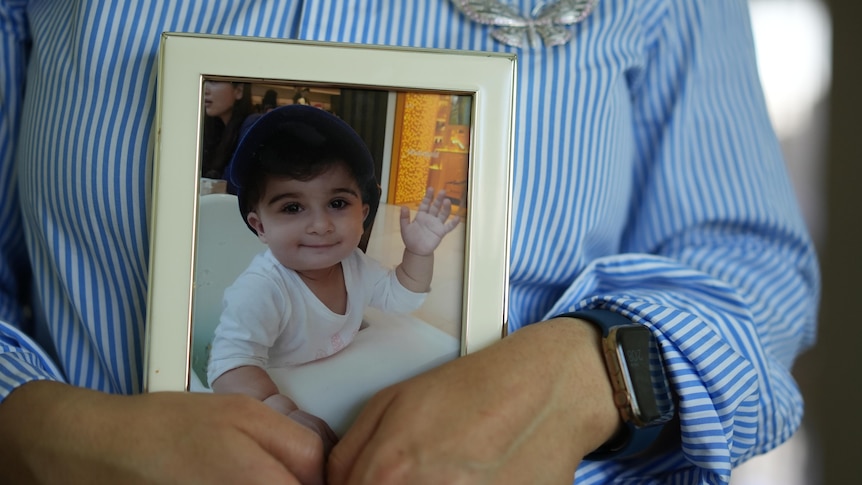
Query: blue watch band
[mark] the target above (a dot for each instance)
(604, 319)
(634, 439)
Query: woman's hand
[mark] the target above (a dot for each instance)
(319, 426)
(525, 410)
(255, 382)
(56, 433)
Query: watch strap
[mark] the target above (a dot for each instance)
(604, 319)
(634, 439)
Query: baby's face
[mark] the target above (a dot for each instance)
(314, 224)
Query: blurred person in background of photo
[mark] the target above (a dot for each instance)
(226, 105)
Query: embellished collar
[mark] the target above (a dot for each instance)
(548, 24)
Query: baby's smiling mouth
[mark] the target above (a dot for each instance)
(320, 245)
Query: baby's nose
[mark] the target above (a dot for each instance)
(320, 223)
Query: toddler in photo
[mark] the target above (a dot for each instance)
(306, 187)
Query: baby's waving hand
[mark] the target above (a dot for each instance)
(432, 222)
(421, 237)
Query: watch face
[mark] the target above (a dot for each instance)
(649, 390)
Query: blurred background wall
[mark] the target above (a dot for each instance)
(809, 61)
(832, 379)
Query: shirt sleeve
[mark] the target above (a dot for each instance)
(21, 359)
(386, 292)
(253, 317)
(716, 260)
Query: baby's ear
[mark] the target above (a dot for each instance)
(365, 210)
(256, 224)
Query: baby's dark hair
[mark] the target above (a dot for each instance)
(291, 158)
(299, 142)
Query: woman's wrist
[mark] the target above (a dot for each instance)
(574, 347)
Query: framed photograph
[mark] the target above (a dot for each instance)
(430, 118)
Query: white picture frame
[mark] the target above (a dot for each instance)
(179, 210)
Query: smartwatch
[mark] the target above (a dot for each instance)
(641, 389)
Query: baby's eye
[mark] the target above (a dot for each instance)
(339, 204)
(292, 208)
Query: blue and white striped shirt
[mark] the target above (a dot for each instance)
(647, 181)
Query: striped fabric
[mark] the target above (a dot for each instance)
(647, 181)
